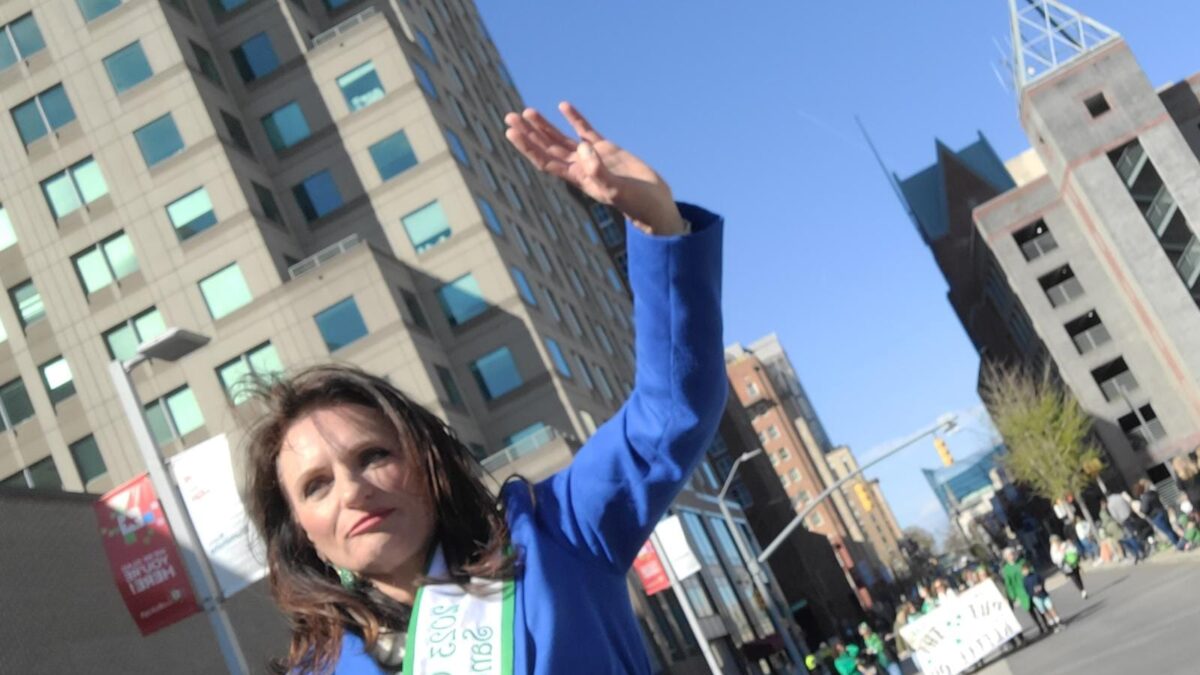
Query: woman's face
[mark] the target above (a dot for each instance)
(358, 495)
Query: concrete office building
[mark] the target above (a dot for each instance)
(302, 182)
(864, 497)
(1097, 240)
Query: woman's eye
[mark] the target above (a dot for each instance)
(373, 455)
(312, 487)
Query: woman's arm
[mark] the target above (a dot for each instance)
(620, 483)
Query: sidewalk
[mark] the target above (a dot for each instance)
(1168, 556)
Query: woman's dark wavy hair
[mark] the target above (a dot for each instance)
(470, 528)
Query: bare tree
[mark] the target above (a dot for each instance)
(1048, 435)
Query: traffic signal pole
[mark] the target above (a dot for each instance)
(943, 425)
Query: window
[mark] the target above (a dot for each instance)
(698, 597)
(191, 214)
(426, 227)
(456, 147)
(575, 282)
(317, 195)
(462, 300)
(1115, 380)
(41, 475)
(94, 8)
(56, 376)
(332, 5)
(784, 455)
(1087, 332)
(266, 199)
(285, 126)
(127, 67)
(794, 475)
(489, 215)
(485, 140)
(255, 58)
(424, 80)
(489, 175)
(604, 341)
(47, 111)
(1142, 427)
(1096, 105)
(815, 521)
(159, 140)
(221, 7)
(103, 263)
(426, 45)
(457, 109)
(393, 155)
(1061, 286)
(556, 355)
(496, 373)
(15, 406)
(528, 432)
(584, 373)
(237, 133)
(239, 376)
(539, 254)
(88, 460)
(28, 303)
(614, 280)
(20, 40)
(416, 315)
(173, 416)
(602, 380)
(82, 183)
(514, 199)
(8, 236)
(208, 66)
(123, 340)
(752, 389)
(361, 86)
(552, 304)
(453, 395)
(523, 286)
(774, 459)
(341, 324)
(1035, 240)
(699, 537)
(225, 291)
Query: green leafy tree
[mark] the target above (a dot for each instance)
(1049, 437)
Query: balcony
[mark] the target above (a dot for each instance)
(344, 26)
(323, 256)
(534, 457)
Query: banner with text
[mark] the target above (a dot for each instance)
(145, 561)
(962, 630)
(650, 570)
(204, 474)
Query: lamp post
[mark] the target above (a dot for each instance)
(945, 423)
(172, 345)
(756, 572)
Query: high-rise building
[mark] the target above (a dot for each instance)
(867, 505)
(1091, 245)
(792, 436)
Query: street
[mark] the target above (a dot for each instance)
(1135, 619)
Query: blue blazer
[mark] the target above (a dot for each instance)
(580, 533)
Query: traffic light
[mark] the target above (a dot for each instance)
(864, 496)
(943, 452)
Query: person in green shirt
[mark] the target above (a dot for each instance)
(1014, 585)
(846, 662)
(876, 647)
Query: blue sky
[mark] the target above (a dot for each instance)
(748, 108)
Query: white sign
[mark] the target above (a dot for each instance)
(962, 630)
(204, 473)
(675, 546)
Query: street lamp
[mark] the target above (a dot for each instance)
(756, 571)
(173, 345)
(945, 423)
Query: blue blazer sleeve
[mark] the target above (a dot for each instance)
(622, 480)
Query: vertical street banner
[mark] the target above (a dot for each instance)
(962, 630)
(650, 570)
(145, 561)
(204, 474)
(676, 548)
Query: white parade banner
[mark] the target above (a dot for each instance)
(962, 630)
(204, 474)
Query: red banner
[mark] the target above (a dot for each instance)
(650, 570)
(144, 559)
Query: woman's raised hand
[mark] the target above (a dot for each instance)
(600, 168)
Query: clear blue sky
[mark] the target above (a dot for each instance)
(747, 107)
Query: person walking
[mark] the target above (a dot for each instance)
(1083, 534)
(1014, 586)
(1187, 477)
(1065, 556)
(1035, 586)
(383, 542)
(1152, 509)
(874, 645)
